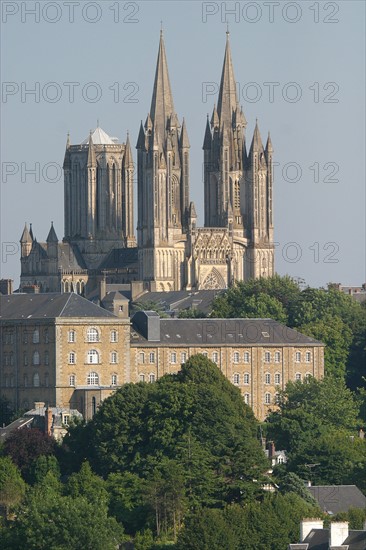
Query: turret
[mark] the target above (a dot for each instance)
(26, 242)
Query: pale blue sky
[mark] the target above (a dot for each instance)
(324, 129)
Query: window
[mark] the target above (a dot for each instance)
(114, 335)
(267, 398)
(246, 378)
(298, 376)
(46, 336)
(277, 357)
(152, 377)
(46, 380)
(204, 353)
(72, 380)
(183, 357)
(36, 380)
(114, 357)
(35, 338)
(66, 419)
(267, 357)
(247, 398)
(25, 337)
(215, 357)
(267, 378)
(114, 380)
(307, 376)
(25, 359)
(236, 357)
(92, 335)
(277, 378)
(142, 378)
(173, 357)
(35, 358)
(307, 357)
(46, 358)
(71, 336)
(297, 357)
(246, 357)
(72, 358)
(93, 379)
(25, 381)
(141, 357)
(277, 398)
(236, 379)
(93, 356)
(152, 357)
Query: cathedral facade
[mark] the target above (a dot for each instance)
(171, 253)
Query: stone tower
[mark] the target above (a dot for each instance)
(163, 187)
(98, 195)
(237, 186)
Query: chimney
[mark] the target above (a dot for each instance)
(39, 404)
(6, 286)
(48, 421)
(338, 533)
(307, 525)
(102, 288)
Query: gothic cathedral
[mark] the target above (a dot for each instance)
(172, 253)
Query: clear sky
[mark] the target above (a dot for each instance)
(300, 69)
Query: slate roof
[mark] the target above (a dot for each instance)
(318, 539)
(337, 498)
(214, 332)
(120, 258)
(48, 305)
(181, 299)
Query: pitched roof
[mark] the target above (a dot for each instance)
(52, 237)
(120, 257)
(215, 332)
(318, 539)
(99, 137)
(48, 306)
(337, 498)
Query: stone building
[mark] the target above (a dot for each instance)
(172, 253)
(259, 356)
(62, 350)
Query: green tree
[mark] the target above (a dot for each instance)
(12, 486)
(41, 466)
(207, 530)
(56, 522)
(88, 485)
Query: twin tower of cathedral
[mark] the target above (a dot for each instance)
(172, 253)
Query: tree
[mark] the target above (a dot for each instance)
(54, 521)
(12, 486)
(207, 530)
(41, 466)
(316, 423)
(25, 446)
(88, 485)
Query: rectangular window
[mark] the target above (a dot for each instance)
(152, 357)
(114, 380)
(152, 377)
(72, 380)
(307, 357)
(267, 357)
(114, 357)
(267, 378)
(215, 357)
(246, 378)
(246, 357)
(297, 357)
(183, 357)
(267, 398)
(236, 379)
(71, 336)
(114, 336)
(72, 358)
(236, 357)
(297, 376)
(173, 358)
(277, 357)
(277, 378)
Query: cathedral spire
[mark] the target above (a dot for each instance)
(162, 106)
(52, 237)
(184, 141)
(257, 144)
(141, 139)
(128, 153)
(91, 153)
(228, 98)
(208, 137)
(269, 147)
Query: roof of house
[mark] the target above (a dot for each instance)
(49, 305)
(214, 332)
(181, 299)
(120, 258)
(318, 539)
(337, 498)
